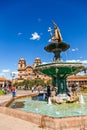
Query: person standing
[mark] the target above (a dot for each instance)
(13, 90)
(48, 91)
(32, 89)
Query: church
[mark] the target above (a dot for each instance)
(27, 72)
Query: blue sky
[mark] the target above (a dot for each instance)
(24, 30)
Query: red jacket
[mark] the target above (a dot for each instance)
(13, 89)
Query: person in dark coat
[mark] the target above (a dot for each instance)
(48, 91)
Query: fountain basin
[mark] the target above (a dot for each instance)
(38, 105)
(57, 123)
(65, 123)
(57, 47)
(63, 68)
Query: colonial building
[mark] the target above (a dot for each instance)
(27, 72)
(4, 82)
(77, 79)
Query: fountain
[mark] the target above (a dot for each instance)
(49, 101)
(58, 69)
(59, 117)
(81, 99)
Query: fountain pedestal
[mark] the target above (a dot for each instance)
(60, 83)
(57, 48)
(59, 80)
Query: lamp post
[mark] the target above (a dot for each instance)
(12, 76)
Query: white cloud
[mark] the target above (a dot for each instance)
(49, 29)
(74, 49)
(73, 61)
(82, 61)
(35, 36)
(8, 73)
(44, 62)
(2, 75)
(6, 70)
(19, 34)
(49, 40)
(81, 73)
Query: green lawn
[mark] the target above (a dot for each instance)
(1, 92)
(84, 89)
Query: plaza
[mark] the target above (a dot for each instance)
(43, 65)
(8, 122)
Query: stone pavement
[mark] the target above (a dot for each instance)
(11, 123)
(7, 97)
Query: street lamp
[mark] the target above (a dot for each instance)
(12, 74)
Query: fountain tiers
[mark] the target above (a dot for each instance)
(57, 48)
(59, 72)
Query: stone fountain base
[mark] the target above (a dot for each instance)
(62, 98)
(43, 121)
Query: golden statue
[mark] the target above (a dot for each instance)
(57, 35)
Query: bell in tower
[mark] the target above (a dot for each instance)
(37, 62)
(21, 68)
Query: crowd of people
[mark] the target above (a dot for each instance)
(8, 88)
(49, 90)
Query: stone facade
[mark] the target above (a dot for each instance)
(4, 82)
(77, 79)
(27, 72)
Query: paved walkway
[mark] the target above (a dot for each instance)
(12, 123)
(7, 97)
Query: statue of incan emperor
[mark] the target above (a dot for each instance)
(57, 35)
